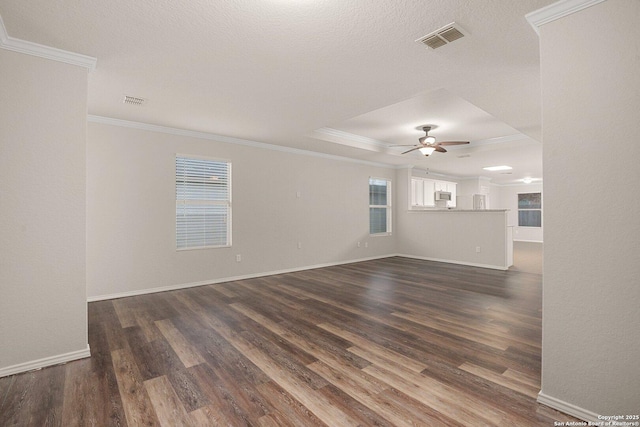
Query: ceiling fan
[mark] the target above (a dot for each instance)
(427, 144)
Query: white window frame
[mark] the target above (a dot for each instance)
(199, 202)
(529, 209)
(388, 206)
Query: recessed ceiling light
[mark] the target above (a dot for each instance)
(498, 168)
(527, 180)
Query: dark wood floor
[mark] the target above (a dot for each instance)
(393, 342)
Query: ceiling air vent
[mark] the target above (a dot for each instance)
(132, 100)
(443, 36)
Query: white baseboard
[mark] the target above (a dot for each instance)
(226, 279)
(568, 408)
(45, 362)
(528, 241)
(450, 261)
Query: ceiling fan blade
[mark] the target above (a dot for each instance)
(413, 149)
(440, 149)
(452, 142)
(405, 145)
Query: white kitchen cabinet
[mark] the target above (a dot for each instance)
(429, 193)
(423, 192)
(452, 188)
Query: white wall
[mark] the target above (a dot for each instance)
(131, 212)
(591, 298)
(43, 310)
(495, 197)
(508, 199)
(469, 187)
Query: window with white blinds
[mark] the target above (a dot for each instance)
(203, 203)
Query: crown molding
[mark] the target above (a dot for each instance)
(34, 49)
(226, 139)
(557, 10)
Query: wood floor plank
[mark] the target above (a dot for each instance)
(415, 388)
(187, 354)
(107, 394)
(166, 403)
(310, 398)
(224, 290)
(148, 326)
(362, 414)
(350, 376)
(5, 387)
(381, 352)
(503, 380)
(415, 412)
(316, 402)
(458, 331)
(82, 385)
(533, 381)
(125, 314)
(268, 421)
(35, 398)
(288, 411)
(187, 389)
(153, 359)
(286, 360)
(368, 396)
(261, 288)
(208, 416)
(452, 396)
(300, 338)
(137, 406)
(236, 401)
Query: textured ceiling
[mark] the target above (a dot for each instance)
(275, 71)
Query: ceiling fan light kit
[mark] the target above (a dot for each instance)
(427, 144)
(427, 150)
(427, 140)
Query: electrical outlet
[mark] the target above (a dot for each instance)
(477, 249)
(238, 258)
(358, 244)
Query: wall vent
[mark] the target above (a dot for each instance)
(133, 100)
(443, 36)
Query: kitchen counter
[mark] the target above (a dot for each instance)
(457, 210)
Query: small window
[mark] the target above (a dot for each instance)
(379, 206)
(203, 203)
(530, 210)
